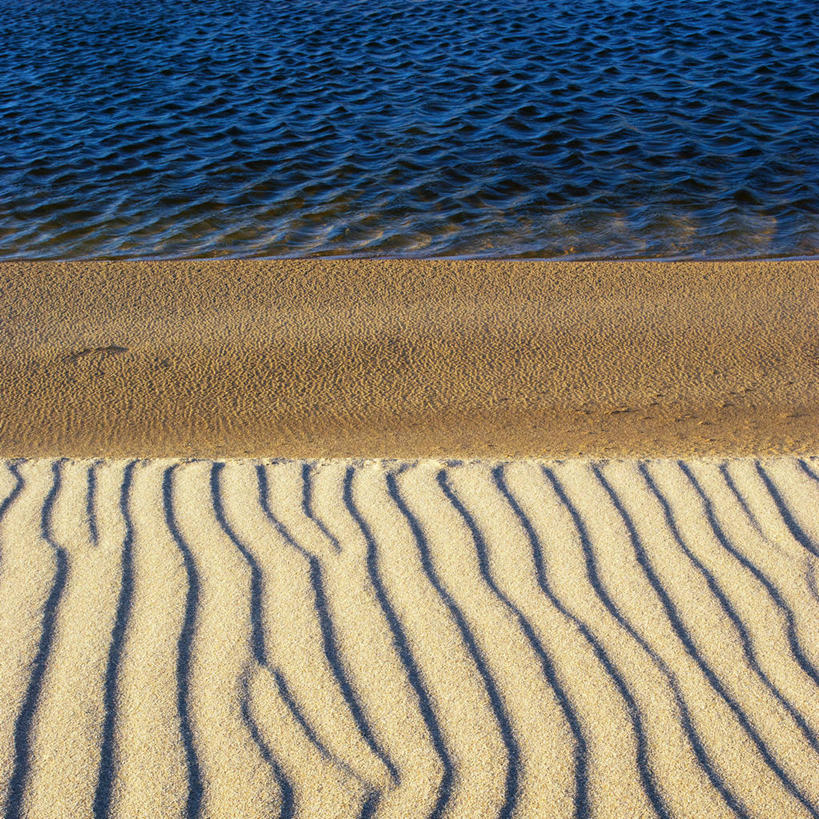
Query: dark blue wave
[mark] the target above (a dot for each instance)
(502, 128)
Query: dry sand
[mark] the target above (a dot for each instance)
(340, 358)
(400, 639)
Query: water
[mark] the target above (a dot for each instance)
(588, 128)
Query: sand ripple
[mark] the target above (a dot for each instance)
(430, 638)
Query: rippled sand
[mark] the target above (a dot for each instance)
(436, 637)
(345, 638)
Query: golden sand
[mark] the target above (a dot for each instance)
(421, 637)
(463, 639)
(342, 358)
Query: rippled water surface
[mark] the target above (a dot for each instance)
(426, 128)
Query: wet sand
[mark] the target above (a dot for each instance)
(401, 639)
(341, 358)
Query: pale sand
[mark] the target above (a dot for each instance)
(473, 639)
(337, 358)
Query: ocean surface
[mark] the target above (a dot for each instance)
(581, 128)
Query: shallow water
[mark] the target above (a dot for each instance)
(219, 128)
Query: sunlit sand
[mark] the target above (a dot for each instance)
(537, 638)
(539, 539)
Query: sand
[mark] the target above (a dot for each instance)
(392, 638)
(424, 617)
(343, 358)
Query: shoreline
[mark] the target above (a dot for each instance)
(334, 358)
(567, 258)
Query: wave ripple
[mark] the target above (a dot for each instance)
(209, 128)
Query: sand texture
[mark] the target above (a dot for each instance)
(342, 358)
(466, 639)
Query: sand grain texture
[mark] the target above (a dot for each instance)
(409, 638)
(401, 358)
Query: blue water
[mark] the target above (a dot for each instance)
(590, 128)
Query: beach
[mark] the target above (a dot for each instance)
(409, 410)
(341, 538)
